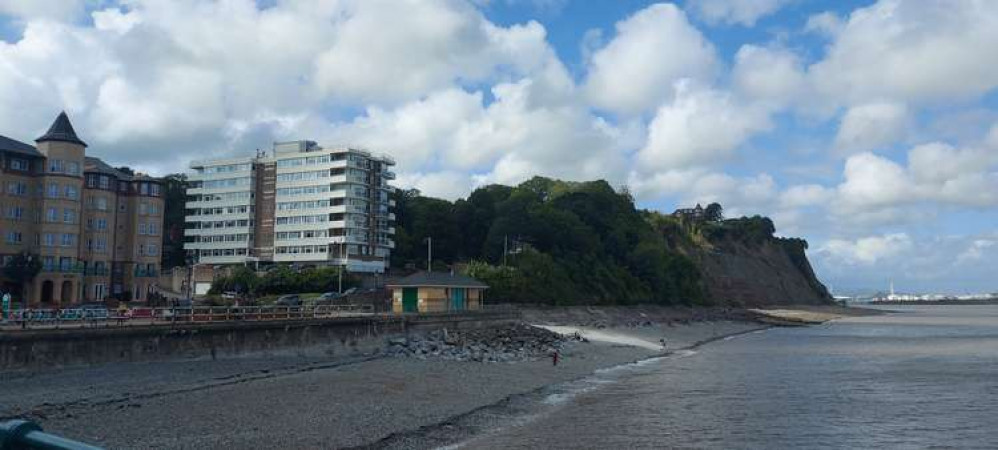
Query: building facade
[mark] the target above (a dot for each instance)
(97, 231)
(299, 203)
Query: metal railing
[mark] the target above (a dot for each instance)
(17, 434)
(98, 317)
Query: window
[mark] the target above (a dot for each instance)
(153, 209)
(143, 208)
(68, 239)
(142, 228)
(91, 181)
(17, 188)
(73, 168)
(154, 190)
(69, 215)
(52, 215)
(65, 264)
(55, 166)
(15, 212)
(71, 192)
(101, 224)
(48, 240)
(144, 188)
(19, 164)
(90, 223)
(48, 262)
(53, 191)
(100, 244)
(153, 229)
(101, 203)
(105, 182)
(13, 237)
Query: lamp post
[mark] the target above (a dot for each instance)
(429, 254)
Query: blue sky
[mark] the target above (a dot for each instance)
(867, 127)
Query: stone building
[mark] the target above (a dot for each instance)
(96, 230)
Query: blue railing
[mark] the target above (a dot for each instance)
(15, 434)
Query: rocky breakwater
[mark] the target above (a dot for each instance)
(511, 343)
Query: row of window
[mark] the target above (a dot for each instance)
(223, 183)
(290, 206)
(225, 238)
(243, 209)
(296, 220)
(53, 240)
(66, 167)
(224, 252)
(294, 235)
(68, 215)
(226, 168)
(301, 249)
(147, 250)
(310, 161)
(226, 224)
(303, 190)
(226, 196)
(303, 176)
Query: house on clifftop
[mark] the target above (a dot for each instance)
(436, 292)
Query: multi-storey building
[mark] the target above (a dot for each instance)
(299, 203)
(96, 230)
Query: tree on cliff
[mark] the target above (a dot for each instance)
(714, 212)
(550, 241)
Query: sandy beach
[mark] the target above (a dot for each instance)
(291, 402)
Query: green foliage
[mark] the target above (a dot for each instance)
(754, 230)
(713, 212)
(174, 196)
(23, 266)
(567, 242)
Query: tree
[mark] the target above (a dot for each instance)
(714, 212)
(125, 169)
(174, 197)
(23, 267)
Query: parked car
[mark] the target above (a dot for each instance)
(328, 298)
(290, 300)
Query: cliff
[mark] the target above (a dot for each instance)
(741, 263)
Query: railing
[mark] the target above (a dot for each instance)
(25, 434)
(77, 317)
(101, 317)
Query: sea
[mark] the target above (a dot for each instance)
(917, 377)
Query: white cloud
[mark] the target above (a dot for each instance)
(872, 126)
(739, 195)
(772, 76)
(827, 23)
(912, 51)
(700, 127)
(42, 9)
(653, 49)
(744, 12)
(801, 196)
(867, 251)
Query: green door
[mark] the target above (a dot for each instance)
(410, 300)
(457, 299)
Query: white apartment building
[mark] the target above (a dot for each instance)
(299, 203)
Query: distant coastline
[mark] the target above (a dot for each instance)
(983, 301)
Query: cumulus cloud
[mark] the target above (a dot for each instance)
(912, 52)
(701, 126)
(867, 250)
(743, 12)
(652, 50)
(872, 126)
(773, 76)
(48, 9)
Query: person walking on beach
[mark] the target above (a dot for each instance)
(554, 357)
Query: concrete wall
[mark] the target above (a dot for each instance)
(35, 349)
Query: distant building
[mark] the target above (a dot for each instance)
(696, 213)
(299, 203)
(436, 292)
(96, 230)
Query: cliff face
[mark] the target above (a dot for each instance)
(774, 271)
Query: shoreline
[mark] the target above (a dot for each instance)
(287, 402)
(461, 430)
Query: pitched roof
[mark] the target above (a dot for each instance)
(92, 164)
(437, 279)
(61, 130)
(10, 145)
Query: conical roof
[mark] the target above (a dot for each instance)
(61, 130)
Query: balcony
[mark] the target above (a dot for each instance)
(388, 175)
(63, 269)
(96, 271)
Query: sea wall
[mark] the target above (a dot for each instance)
(32, 349)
